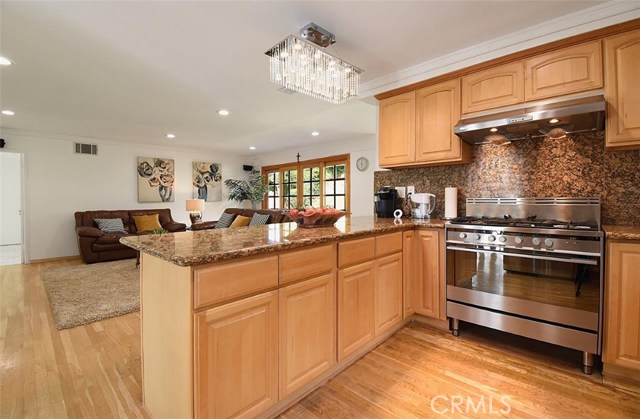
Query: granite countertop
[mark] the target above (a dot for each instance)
(618, 232)
(206, 246)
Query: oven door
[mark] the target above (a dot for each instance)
(560, 289)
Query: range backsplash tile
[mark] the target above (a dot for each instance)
(577, 166)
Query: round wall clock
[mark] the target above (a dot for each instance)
(362, 163)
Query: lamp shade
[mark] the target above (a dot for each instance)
(196, 205)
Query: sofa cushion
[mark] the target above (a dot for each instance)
(147, 222)
(87, 218)
(225, 220)
(110, 225)
(259, 219)
(240, 221)
(110, 238)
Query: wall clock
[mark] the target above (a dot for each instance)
(362, 163)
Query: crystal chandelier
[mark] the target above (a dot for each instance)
(300, 65)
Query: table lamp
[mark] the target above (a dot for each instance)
(195, 207)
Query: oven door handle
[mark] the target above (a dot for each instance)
(556, 259)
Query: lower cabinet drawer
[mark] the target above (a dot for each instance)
(227, 281)
(353, 252)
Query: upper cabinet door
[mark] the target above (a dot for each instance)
(622, 89)
(437, 111)
(397, 129)
(568, 70)
(493, 88)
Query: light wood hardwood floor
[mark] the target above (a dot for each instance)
(94, 370)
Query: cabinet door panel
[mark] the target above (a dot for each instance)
(437, 111)
(622, 89)
(569, 70)
(388, 292)
(355, 308)
(397, 130)
(493, 88)
(236, 358)
(307, 331)
(429, 273)
(410, 270)
(622, 339)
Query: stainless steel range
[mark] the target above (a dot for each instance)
(529, 266)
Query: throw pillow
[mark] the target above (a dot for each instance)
(147, 222)
(110, 225)
(259, 219)
(225, 220)
(240, 221)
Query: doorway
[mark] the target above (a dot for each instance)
(11, 227)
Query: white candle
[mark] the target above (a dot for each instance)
(450, 202)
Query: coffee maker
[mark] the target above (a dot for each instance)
(386, 200)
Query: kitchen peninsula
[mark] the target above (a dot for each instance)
(245, 321)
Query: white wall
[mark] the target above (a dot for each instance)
(361, 182)
(59, 182)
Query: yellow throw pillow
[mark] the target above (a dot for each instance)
(147, 222)
(240, 221)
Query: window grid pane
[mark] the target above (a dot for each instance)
(289, 189)
(334, 193)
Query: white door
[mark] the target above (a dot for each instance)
(11, 204)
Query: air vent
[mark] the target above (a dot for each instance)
(82, 148)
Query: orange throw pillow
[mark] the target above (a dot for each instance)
(240, 221)
(147, 222)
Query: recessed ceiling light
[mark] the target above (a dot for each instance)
(252, 148)
(315, 133)
(223, 112)
(494, 130)
(5, 61)
(170, 135)
(8, 112)
(554, 121)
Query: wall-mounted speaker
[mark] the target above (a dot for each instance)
(247, 168)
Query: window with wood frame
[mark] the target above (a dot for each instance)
(320, 182)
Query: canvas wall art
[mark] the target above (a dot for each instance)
(156, 178)
(207, 181)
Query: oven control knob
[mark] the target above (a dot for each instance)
(462, 235)
(548, 242)
(519, 240)
(491, 238)
(477, 236)
(536, 241)
(502, 239)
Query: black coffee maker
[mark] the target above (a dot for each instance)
(387, 202)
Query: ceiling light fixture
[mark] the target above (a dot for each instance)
(223, 112)
(5, 61)
(252, 148)
(299, 65)
(170, 135)
(315, 133)
(554, 121)
(494, 130)
(8, 112)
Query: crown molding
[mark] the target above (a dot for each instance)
(593, 18)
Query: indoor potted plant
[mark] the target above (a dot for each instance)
(254, 190)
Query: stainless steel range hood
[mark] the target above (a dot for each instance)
(554, 118)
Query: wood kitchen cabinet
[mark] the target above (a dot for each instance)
(388, 292)
(307, 331)
(356, 312)
(430, 275)
(236, 358)
(397, 132)
(437, 111)
(568, 70)
(622, 90)
(622, 307)
(493, 88)
(409, 273)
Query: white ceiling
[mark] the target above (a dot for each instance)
(134, 71)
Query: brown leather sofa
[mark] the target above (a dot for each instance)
(275, 216)
(96, 246)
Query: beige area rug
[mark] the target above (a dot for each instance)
(83, 294)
